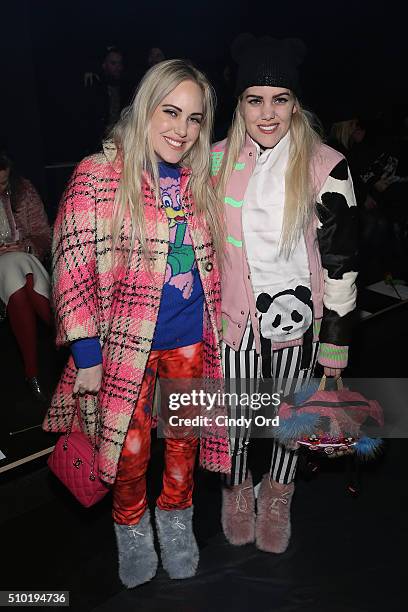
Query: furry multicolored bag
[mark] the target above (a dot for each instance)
(330, 421)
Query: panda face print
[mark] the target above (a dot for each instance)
(286, 315)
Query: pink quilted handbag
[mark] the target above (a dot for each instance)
(74, 462)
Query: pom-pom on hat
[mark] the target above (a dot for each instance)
(267, 61)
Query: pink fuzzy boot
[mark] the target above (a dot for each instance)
(238, 513)
(273, 516)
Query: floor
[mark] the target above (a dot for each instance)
(346, 553)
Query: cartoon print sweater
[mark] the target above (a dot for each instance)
(180, 318)
(181, 308)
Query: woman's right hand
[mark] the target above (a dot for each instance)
(88, 380)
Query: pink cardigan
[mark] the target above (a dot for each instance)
(237, 295)
(96, 294)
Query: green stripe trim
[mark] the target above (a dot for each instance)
(232, 202)
(231, 240)
(333, 352)
(216, 160)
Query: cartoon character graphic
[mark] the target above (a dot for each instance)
(287, 315)
(180, 260)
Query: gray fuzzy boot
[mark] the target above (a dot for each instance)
(137, 556)
(179, 550)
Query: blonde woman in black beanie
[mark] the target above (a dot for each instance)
(288, 289)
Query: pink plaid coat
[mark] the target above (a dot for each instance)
(96, 294)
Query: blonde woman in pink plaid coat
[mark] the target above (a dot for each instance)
(136, 291)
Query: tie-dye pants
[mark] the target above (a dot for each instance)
(129, 490)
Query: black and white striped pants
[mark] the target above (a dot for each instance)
(245, 365)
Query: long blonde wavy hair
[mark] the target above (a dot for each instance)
(299, 191)
(131, 136)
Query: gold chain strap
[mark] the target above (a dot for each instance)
(69, 431)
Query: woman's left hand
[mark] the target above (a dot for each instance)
(11, 247)
(333, 372)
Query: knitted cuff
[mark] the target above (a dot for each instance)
(86, 352)
(333, 356)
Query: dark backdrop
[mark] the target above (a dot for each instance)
(356, 55)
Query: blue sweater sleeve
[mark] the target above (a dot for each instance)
(86, 352)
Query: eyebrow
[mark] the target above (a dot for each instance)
(284, 93)
(180, 109)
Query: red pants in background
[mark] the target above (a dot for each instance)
(129, 490)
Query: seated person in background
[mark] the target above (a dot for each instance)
(154, 56)
(380, 192)
(105, 94)
(25, 238)
(373, 168)
(343, 136)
